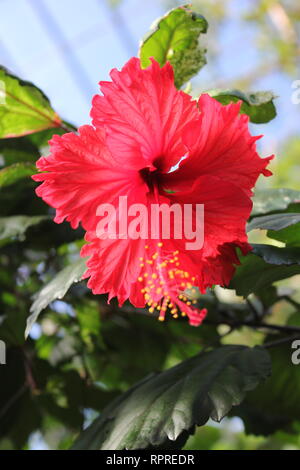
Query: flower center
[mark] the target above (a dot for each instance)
(150, 176)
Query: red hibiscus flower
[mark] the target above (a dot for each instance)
(154, 144)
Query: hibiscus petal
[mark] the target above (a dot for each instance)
(144, 115)
(226, 210)
(219, 143)
(81, 174)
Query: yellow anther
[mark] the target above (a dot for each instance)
(160, 244)
(151, 310)
(162, 265)
(140, 279)
(154, 276)
(161, 318)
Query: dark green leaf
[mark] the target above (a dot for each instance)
(258, 106)
(159, 409)
(275, 255)
(152, 341)
(15, 226)
(175, 38)
(18, 150)
(24, 108)
(274, 200)
(284, 227)
(274, 221)
(56, 289)
(275, 403)
(264, 266)
(13, 173)
(289, 235)
(18, 416)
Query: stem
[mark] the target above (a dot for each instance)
(280, 341)
(253, 309)
(290, 301)
(13, 399)
(66, 128)
(270, 326)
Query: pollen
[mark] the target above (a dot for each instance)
(164, 287)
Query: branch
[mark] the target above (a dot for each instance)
(280, 341)
(256, 325)
(67, 128)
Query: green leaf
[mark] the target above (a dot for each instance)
(56, 289)
(275, 403)
(15, 226)
(289, 235)
(152, 341)
(278, 256)
(274, 221)
(24, 108)
(284, 227)
(175, 38)
(265, 265)
(258, 106)
(274, 200)
(18, 150)
(13, 173)
(161, 408)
